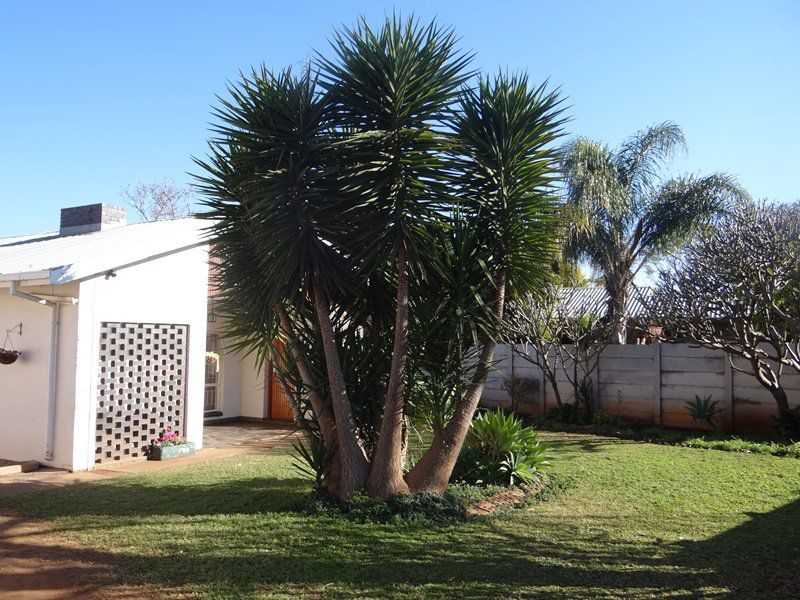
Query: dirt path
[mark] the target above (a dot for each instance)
(37, 564)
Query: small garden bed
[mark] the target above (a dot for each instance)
(460, 503)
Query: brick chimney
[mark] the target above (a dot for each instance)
(92, 217)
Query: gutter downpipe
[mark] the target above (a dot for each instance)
(51, 387)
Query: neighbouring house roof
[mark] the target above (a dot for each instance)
(578, 301)
(61, 259)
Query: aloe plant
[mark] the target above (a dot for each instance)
(704, 410)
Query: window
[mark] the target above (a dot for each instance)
(212, 374)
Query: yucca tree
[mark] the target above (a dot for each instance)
(505, 129)
(622, 214)
(267, 187)
(341, 207)
(392, 88)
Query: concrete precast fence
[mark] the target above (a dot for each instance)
(649, 385)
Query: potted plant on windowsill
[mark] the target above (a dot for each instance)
(212, 358)
(169, 445)
(9, 357)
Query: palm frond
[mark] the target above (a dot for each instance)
(684, 205)
(642, 155)
(390, 88)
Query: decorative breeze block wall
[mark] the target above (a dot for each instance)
(141, 389)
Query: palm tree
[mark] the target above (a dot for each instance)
(623, 215)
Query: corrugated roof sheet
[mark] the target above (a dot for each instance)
(578, 301)
(64, 259)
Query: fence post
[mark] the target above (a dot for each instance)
(728, 375)
(657, 384)
(596, 385)
(542, 391)
(512, 379)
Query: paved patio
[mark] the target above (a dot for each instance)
(247, 435)
(219, 441)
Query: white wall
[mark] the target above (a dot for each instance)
(254, 393)
(168, 290)
(24, 385)
(242, 385)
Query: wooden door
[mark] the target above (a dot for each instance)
(280, 406)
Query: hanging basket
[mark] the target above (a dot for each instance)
(8, 357)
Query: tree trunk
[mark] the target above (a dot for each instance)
(432, 472)
(781, 400)
(386, 473)
(551, 376)
(787, 418)
(353, 461)
(617, 305)
(771, 380)
(322, 412)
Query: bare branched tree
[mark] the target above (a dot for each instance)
(159, 200)
(737, 288)
(554, 333)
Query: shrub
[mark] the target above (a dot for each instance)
(704, 410)
(602, 417)
(405, 509)
(312, 459)
(500, 450)
(564, 413)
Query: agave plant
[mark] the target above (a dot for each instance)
(500, 449)
(704, 410)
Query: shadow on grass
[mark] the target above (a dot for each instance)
(757, 559)
(137, 497)
(241, 536)
(583, 442)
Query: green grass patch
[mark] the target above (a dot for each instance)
(636, 520)
(735, 444)
(611, 426)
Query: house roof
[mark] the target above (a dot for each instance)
(61, 259)
(578, 301)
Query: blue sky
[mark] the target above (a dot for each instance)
(96, 96)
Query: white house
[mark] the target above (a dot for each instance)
(110, 320)
(113, 322)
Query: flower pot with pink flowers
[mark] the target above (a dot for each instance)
(169, 445)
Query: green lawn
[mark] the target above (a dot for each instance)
(639, 520)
